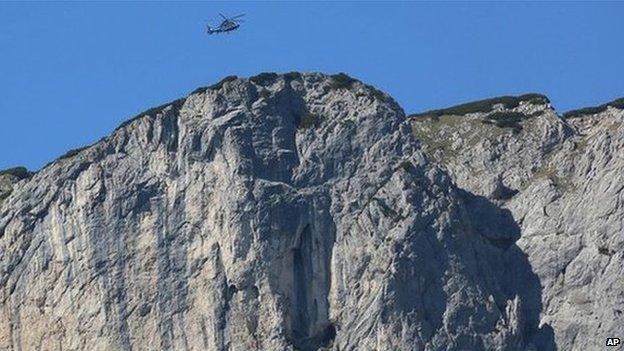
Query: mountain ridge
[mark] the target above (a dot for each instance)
(309, 212)
(473, 105)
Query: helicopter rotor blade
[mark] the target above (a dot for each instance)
(235, 17)
(225, 18)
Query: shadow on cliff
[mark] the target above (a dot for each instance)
(516, 278)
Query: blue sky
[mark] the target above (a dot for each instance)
(71, 72)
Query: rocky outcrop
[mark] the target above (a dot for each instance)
(307, 212)
(561, 181)
(9, 177)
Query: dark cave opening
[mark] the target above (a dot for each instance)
(310, 328)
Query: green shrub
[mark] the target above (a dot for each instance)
(407, 165)
(176, 104)
(215, 86)
(290, 76)
(72, 152)
(264, 93)
(603, 250)
(199, 90)
(264, 78)
(378, 94)
(486, 105)
(341, 81)
(507, 119)
(219, 85)
(535, 99)
(19, 172)
(617, 103)
(503, 118)
(310, 120)
(584, 111)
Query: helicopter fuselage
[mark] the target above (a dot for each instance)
(222, 30)
(227, 25)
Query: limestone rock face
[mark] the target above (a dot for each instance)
(307, 212)
(561, 180)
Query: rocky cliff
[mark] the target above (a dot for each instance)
(308, 212)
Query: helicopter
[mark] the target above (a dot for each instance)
(227, 25)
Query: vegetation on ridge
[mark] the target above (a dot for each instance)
(290, 76)
(617, 103)
(72, 152)
(215, 86)
(344, 81)
(264, 78)
(19, 172)
(176, 104)
(341, 81)
(486, 105)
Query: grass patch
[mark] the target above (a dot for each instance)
(434, 133)
(617, 103)
(437, 133)
(341, 81)
(486, 105)
(18, 172)
(264, 78)
(310, 120)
